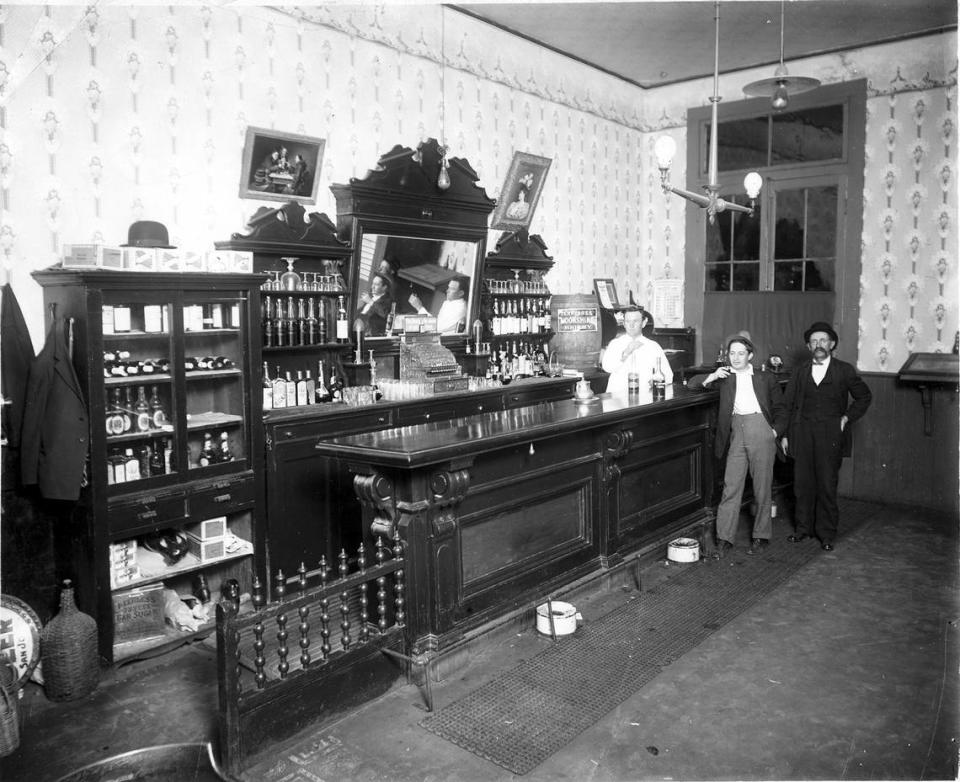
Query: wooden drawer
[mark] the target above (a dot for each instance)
(220, 497)
(146, 512)
(422, 414)
(369, 420)
(487, 404)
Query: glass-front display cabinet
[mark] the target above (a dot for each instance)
(167, 523)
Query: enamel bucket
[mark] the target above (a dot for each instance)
(564, 618)
(683, 550)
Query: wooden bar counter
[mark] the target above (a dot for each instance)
(498, 509)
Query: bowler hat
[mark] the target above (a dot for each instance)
(820, 325)
(147, 233)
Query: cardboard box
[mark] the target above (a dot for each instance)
(96, 256)
(168, 260)
(208, 528)
(206, 550)
(219, 261)
(193, 261)
(241, 262)
(138, 614)
(140, 259)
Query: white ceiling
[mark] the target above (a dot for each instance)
(655, 43)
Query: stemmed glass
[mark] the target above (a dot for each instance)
(290, 280)
(517, 285)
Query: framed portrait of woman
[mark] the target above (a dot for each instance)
(520, 192)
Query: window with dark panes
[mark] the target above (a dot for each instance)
(793, 246)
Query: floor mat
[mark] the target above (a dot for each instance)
(536, 708)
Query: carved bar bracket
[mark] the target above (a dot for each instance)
(375, 491)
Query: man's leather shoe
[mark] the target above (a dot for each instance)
(723, 547)
(757, 545)
(796, 538)
(827, 546)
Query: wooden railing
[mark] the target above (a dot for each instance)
(312, 652)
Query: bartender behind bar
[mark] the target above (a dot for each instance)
(632, 352)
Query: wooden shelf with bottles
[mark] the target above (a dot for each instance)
(164, 360)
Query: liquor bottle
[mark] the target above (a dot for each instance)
(279, 391)
(129, 420)
(343, 331)
(267, 388)
(323, 332)
(391, 316)
(208, 454)
(143, 457)
(225, 454)
(114, 418)
(142, 420)
(658, 382)
(169, 464)
(280, 325)
(301, 386)
(291, 391)
(157, 461)
(131, 466)
(158, 416)
(323, 393)
(302, 329)
(311, 389)
(336, 386)
(115, 468)
(293, 325)
(310, 337)
(267, 322)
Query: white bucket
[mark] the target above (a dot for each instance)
(683, 550)
(565, 618)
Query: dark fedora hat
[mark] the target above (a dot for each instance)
(147, 233)
(743, 337)
(823, 326)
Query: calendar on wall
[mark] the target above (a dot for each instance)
(668, 302)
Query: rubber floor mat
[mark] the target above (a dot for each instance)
(534, 709)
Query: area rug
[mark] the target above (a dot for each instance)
(531, 711)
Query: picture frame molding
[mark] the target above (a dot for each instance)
(522, 163)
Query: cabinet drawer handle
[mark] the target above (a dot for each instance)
(221, 485)
(479, 408)
(148, 500)
(382, 419)
(426, 416)
(222, 498)
(146, 515)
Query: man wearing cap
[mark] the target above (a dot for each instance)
(818, 402)
(632, 352)
(750, 418)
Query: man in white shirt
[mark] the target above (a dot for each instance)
(633, 352)
(452, 317)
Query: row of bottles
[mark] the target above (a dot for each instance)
(117, 363)
(134, 464)
(126, 416)
(210, 452)
(527, 315)
(292, 321)
(523, 359)
(283, 390)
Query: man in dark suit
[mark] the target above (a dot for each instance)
(750, 418)
(818, 400)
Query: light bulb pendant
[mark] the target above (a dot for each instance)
(443, 181)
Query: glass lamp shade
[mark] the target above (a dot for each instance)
(664, 149)
(752, 183)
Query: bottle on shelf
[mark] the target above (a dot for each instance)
(322, 393)
(323, 331)
(658, 382)
(208, 454)
(143, 457)
(301, 386)
(114, 418)
(280, 391)
(268, 337)
(336, 386)
(311, 336)
(158, 415)
(293, 325)
(311, 387)
(116, 470)
(157, 463)
(280, 325)
(343, 331)
(225, 454)
(129, 419)
(169, 463)
(131, 466)
(267, 388)
(290, 391)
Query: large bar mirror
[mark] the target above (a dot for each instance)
(400, 277)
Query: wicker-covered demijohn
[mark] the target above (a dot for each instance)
(9, 710)
(68, 651)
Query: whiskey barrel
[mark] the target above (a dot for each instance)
(575, 320)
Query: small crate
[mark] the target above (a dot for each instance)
(140, 259)
(208, 529)
(96, 256)
(206, 550)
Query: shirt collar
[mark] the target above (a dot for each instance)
(747, 371)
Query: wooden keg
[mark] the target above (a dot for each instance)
(575, 320)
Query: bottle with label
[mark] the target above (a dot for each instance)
(311, 389)
(113, 461)
(658, 382)
(336, 386)
(157, 464)
(267, 388)
(169, 464)
(293, 324)
(266, 323)
(143, 419)
(208, 454)
(280, 391)
(157, 414)
(143, 456)
(226, 454)
(114, 417)
(323, 393)
(310, 327)
(301, 386)
(323, 332)
(131, 466)
(343, 331)
(129, 419)
(291, 391)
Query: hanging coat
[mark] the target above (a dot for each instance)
(56, 431)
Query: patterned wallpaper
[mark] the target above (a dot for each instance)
(110, 114)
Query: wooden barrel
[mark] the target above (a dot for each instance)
(575, 320)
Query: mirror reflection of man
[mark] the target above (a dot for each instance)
(374, 307)
(452, 317)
